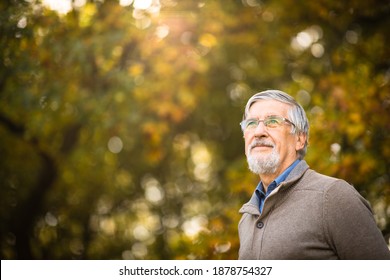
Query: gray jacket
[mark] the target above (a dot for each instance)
(310, 216)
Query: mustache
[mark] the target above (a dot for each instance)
(260, 142)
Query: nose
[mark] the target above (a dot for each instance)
(261, 130)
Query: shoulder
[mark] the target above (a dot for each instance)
(338, 197)
(305, 178)
(313, 180)
(333, 190)
(331, 186)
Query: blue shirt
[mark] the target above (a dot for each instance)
(282, 177)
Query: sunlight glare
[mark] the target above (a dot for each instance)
(141, 233)
(143, 4)
(62, 7)
(107, 226)
(222, 247)
(317, 50)
(139, 250)
(162, 31)
(50, 219)
(125, 3)
(202, 159)
(309, 38)
(304, 39)
(22, 23)
(115, 145)
(194, 226)
(154, 193)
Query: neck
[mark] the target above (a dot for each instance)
(268, 178)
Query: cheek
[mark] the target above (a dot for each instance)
(246, 148)
(282, 146)
(290, 146)
(247, 142)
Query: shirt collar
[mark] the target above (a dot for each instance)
(281, 178)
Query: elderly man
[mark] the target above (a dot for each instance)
(295, 212)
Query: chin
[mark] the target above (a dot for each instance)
(263, 165)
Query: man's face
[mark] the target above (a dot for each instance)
(270, 150)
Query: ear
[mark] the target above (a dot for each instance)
(301, 140)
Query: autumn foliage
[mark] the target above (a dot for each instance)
(119, 135)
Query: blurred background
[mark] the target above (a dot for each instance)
(119, 120)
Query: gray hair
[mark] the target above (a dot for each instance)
(296, 113)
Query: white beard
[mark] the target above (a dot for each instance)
(263, 164)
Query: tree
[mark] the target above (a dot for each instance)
(119, 124)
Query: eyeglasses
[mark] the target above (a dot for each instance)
(250, 125)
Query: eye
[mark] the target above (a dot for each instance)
(251, 123)
(273, 121)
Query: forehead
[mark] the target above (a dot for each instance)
(263, 108)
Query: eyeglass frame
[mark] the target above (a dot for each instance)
(285, 120)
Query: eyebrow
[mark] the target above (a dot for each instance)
(267, 115)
